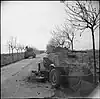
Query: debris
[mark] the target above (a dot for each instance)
(38, 93)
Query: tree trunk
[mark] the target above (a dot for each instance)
(93, 39)
(12, 56)
(72, 44)
(62, 45)
(17, 54)
(9, 51)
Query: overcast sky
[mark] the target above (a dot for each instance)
(31, 22)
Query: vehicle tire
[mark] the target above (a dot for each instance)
(26, 57)
(54, 78)
(39, 67)
(34, 56)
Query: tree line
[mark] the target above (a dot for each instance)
(13, 44)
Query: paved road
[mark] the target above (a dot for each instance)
(13, 83)
(13, 69)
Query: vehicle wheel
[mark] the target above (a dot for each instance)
(39, 67)
(54, 78)
(25, 57)
(34, 56)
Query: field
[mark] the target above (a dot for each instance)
(7, 58)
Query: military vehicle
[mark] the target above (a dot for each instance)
(61, 66)
(29, 52)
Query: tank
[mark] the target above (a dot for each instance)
(29, 52)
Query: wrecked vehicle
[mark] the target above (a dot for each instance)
(61, 66)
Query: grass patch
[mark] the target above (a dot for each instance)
(7, 58)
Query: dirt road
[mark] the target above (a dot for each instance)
(14, 80)
(17, 81)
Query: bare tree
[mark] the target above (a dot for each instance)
(8, 46)
(69, 32)
(17, 47)
(58, 37)
(84, 15)
(22, 48)
(54, 42)
(12, 45)
(64, 36)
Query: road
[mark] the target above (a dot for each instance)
(15, 82)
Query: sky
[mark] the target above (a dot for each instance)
(32, 21)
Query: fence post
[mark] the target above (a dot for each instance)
(82, 58)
